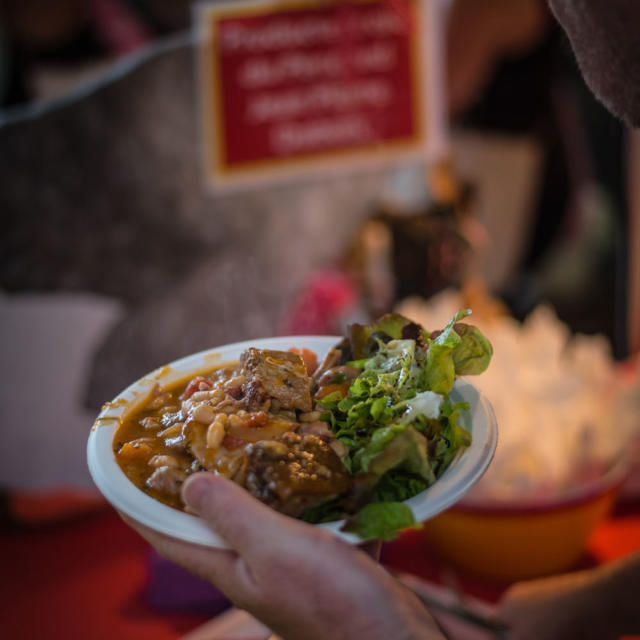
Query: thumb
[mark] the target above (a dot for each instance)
(244, 522)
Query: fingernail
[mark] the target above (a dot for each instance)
(194, 490)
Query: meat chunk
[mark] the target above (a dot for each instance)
(317, 428)
(344, 372)
(278, 375)
(332, 359)
(255, 394)
(167, 480)
(292, 473)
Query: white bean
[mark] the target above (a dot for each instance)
(215, 435)
(234, 421)
(222, 419)
(204, 413)
(211, 394)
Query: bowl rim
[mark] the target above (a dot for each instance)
(463, 472)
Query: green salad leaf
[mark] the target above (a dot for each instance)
(398, 484)
(362, 337)
(381, 521)
(397, 418)
(473, 354)
(393, 446)
(440, 371)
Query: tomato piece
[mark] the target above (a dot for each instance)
(231, 442)
(197, 384)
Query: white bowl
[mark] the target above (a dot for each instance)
(464, 471)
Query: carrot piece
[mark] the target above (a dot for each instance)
(136, 450)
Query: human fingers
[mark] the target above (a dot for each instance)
(247, 525)
(222, 567)
(559, 601)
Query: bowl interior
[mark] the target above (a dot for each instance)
(461, 475)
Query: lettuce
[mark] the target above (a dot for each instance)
(362, 338)
(453, 436)
(397, 419)
(396, 356)
(397, 485)
(473, 353)
(425, 403)
(440, 371)
(393, 446)
(381, 521)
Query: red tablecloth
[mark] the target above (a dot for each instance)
(87, 578)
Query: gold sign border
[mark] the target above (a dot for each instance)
(216, 167)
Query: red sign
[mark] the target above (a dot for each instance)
(296, 86)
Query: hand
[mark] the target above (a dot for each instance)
(600, 604)
(565, 607)
(301, 581)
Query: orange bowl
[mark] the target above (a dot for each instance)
(509, 542)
